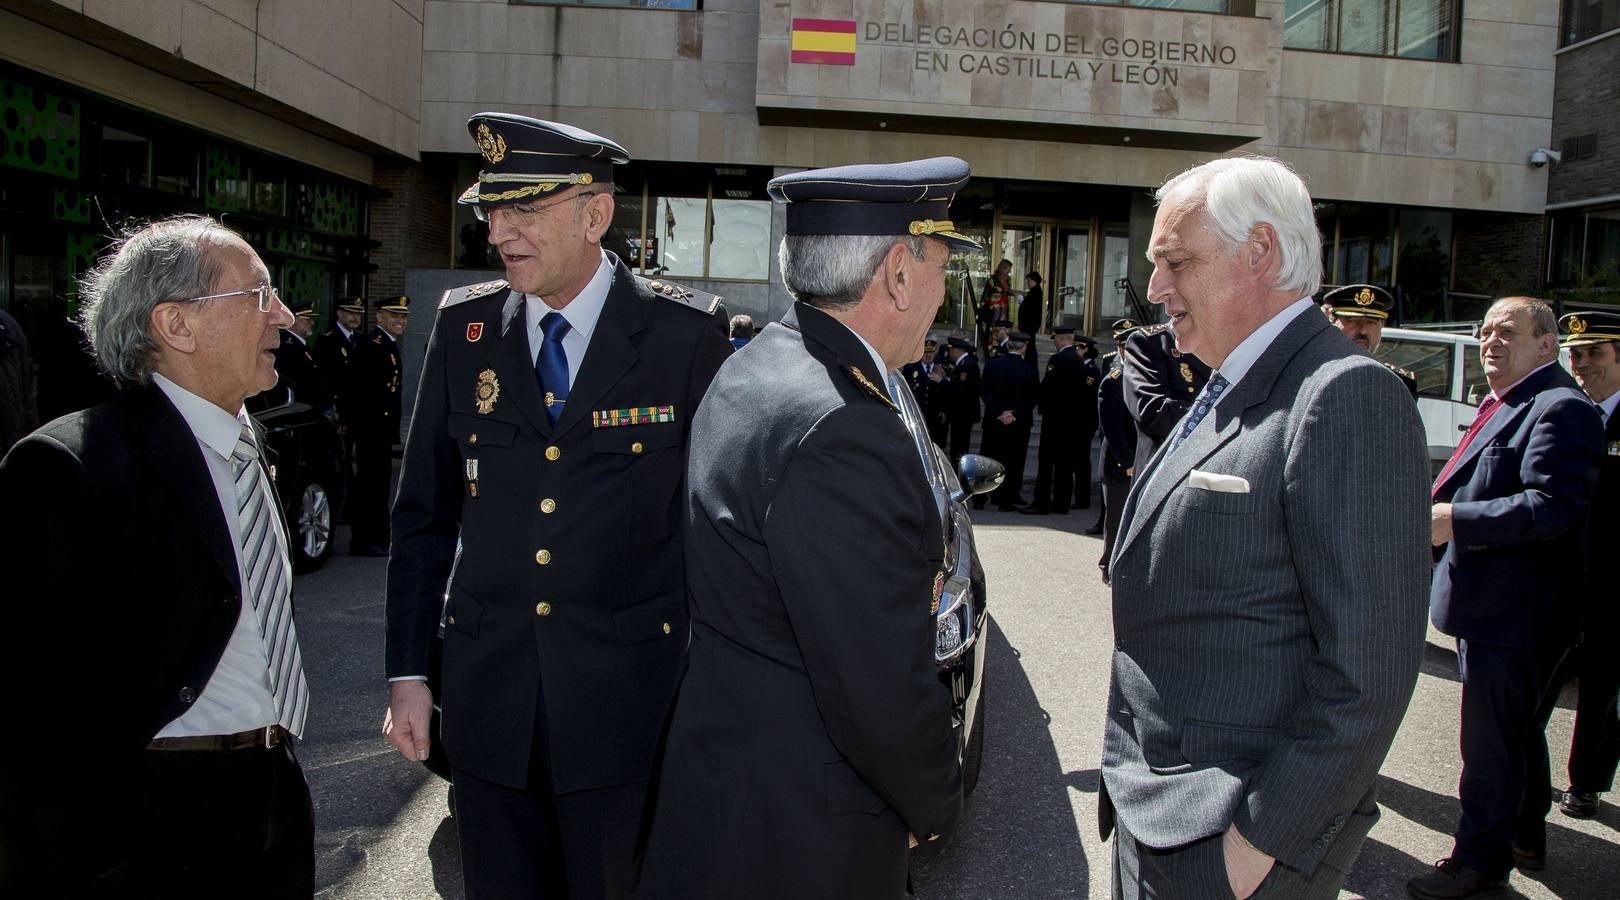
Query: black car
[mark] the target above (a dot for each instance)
(958, 604)
(305, 458)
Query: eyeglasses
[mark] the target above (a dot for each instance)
(524, 214)
(266, 295)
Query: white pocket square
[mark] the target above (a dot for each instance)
(1214, 481)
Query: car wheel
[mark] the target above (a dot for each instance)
(973, 754)
(312, 532)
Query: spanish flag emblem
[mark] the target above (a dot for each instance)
(828, 42)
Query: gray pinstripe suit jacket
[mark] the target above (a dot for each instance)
(1267, 643)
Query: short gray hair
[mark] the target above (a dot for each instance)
(1542, 319)
(1239, 193)
(832, 271)
(169, 259)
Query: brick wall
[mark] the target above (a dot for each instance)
(1586, 100)
(411, 222)
(1497, 254)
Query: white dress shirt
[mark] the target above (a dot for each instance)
(1608, 406)
(581, 313)
(237, 696)
(1243, 357)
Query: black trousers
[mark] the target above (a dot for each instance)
(1504, 780)
(1115, 487)
(961, 439)
(1008, 445)
(1054, 471)
(1082, 467)
(1595, 751)
(234, 823)
(368, 497)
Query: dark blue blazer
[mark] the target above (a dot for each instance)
(1513, 571)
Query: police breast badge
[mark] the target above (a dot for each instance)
(487, 391)
(1186, 373)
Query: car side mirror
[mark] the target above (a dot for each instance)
(979, 474)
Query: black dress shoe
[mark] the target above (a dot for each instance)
(1095, 529)
(1529, 860)
(1578, 804)
(367, 550)
(1452, 880)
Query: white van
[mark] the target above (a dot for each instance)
(1450, 378)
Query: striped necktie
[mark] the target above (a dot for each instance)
(1201, 408)
(269, 583)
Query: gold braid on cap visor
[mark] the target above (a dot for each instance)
(932, 226)
(540, 184)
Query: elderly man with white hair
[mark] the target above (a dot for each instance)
(150, 632)
(1261, 665)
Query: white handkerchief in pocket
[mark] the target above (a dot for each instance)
(1214, 481)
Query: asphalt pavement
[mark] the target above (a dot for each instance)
(383, 827)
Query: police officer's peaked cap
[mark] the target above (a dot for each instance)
(1121, 326)
(961, 344)
(353, 305)
(908, 198)
(1367, 301)
(304, 310)
(1064, 330)
(1589, 327)
(526, 159)
(395, 305)
(1002, 323)
(931, 340)
(1018, 337)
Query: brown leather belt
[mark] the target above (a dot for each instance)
(258, 739)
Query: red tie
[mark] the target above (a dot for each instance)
(1486, 410)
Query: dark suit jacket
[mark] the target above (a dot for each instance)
(122, 593)
(1267, 640)
(964, 391)
(1512, 575)
(812, 730)
(582, 599)
(1119, 431)
(372, 396)
(1160, 385)
(295, 363)
(1601, 622)
(334, 357)
(1010, 384)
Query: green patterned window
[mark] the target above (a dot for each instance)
(40, 130)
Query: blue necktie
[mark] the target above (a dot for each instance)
(551, 366)
(1201, 408)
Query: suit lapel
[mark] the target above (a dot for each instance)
(513, 362)
(610, 353)
(1513, 406)
(1166, 472)
(169, 447)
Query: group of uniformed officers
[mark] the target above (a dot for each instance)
(353, 376)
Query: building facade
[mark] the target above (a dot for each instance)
(335, 135)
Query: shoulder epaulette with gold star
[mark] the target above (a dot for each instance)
(699, 300)
(471, 292)
(867, 385)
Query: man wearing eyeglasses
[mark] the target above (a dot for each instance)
(549, 438)
(150, 634)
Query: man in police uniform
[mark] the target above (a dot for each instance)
(929, 385)
(962, 400)
(1010, 388)
(334, 356)
(812, 730)
(1593, 341)
(1159, 384)
(1061, 399)
(295, 364)
(549, 439)
(1087, 348)
(1359, 311)
(1119, 445)
(373, 425)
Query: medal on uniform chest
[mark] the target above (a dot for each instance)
(1186, 373)
(487, 391)
(472, 478)
(1614, 448)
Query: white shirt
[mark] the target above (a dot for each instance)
(347, 334)
(1509, 389)
(237, 696)
(1243, 357)
(581, 313)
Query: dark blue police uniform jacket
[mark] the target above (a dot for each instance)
(569, 594)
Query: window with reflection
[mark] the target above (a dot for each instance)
(1588, 18)
(1410, 29)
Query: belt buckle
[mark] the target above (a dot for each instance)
(270, 737)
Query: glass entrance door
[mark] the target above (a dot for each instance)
(1061, 252)
(1071, 269)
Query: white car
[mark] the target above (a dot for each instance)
(1450, 379)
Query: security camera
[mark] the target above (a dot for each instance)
(1540, 156)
